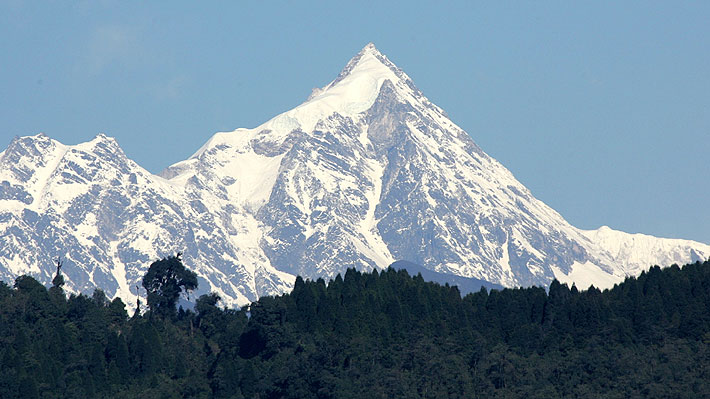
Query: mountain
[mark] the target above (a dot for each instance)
(365, 172)
(466, 285)
(109, 219)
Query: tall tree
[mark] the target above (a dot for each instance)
(165, 281)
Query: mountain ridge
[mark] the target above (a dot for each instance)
(365, 172)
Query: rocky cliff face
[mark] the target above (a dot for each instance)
(365, 172)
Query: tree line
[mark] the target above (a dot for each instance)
(379, 334)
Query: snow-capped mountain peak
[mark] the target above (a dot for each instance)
(365, 172)
(397, 180)
(368, 62)
(349, 95)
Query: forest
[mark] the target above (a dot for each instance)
(362, 335)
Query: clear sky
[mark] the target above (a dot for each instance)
(602, 109)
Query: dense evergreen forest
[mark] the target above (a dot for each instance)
(363, 335)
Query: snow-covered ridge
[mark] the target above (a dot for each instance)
(454, 163)
(638, 251)
(109, 219)
(350, 94)
(366, 171)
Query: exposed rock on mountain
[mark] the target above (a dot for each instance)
(365, 172)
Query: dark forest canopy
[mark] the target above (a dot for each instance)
(368, 335)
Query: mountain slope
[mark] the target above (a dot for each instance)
(110, 219)
(370, 171)
(365, 172)
(465, 285)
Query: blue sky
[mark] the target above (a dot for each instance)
(601, 109)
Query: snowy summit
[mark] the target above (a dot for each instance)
(367, 171)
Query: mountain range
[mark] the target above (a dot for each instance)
(366, 172)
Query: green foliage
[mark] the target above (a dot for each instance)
(368, 335)
(165, 281)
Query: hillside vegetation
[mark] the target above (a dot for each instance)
(370, 335)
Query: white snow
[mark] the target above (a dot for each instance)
(256, 177)
(118, 271)
(585, 275)
(525, 244)
(236, 179)
(42, 175)
(376, 247)
(348, 97)
(505, 258)
(637, 252)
